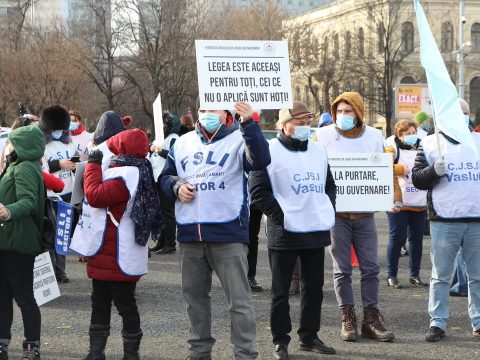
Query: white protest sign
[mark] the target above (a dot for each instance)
(45, 287)
(158, 119)
(364, 181)
(257, 72)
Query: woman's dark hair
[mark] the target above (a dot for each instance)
(23, 120)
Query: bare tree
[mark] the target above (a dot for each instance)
(388, 49)
(159, 56)
(98, 39)
(318, 59)
(40, 73)
(260, 20)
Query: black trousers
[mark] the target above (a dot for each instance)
(16, 282)
(253, 230)
(167, 208)
(122, 293)
(311, 285)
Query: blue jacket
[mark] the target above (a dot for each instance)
(256, 157)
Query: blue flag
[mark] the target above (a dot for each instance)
(447, 113)
(64, 227)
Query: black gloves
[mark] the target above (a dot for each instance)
(95, 156)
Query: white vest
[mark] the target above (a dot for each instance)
(56, 150)
(389, 141)
(107, 154)
(371, 141)
(410, 194)
(156, 160)
(457, 194)
(298, 183)
(89, 233)
(421, 133)
(81, 143)
(216, 172)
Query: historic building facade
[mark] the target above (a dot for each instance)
(369, 43)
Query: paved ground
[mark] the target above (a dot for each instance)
(165, 325)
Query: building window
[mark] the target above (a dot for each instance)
(475, 98)
(475, 37)
(325, 48)
(446, 43)
(335, 90)
(307, 96)
(361, 42)
(380, 102)
(315, 89)
(297, 93)
(347, 86)
(361, 87)
(381, 38)
(408, 80)
(407, 37)
(336, 44)
(348, 45)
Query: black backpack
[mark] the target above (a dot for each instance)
(49, 223)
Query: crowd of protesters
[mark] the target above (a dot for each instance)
(204, 188)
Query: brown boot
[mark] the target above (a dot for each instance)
(349, 325)
(373, 328)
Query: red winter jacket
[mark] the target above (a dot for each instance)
(112, 194)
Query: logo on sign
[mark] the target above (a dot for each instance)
(375, 159)
(269, 48)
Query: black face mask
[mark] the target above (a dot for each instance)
(12, 157)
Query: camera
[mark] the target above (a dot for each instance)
(464, 20)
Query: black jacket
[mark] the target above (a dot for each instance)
(262, 197)
(424, 177)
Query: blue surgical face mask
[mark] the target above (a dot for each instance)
(74, 126)
(345, 122)
(410, 139)
(467, 119)
(209, 122)
(57, 134)
(302, 133)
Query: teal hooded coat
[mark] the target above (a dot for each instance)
(22, 191)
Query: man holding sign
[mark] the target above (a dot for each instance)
(205, 174)
(349, 134)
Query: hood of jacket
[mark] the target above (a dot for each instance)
(129, 142)
(28, 142)
(109, 124)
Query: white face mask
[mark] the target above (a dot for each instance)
(345, 122)
(302, 133)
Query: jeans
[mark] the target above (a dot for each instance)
(122, 293)
(447, 239)
(16, 282)
(460, 281)
(311, 279)
(253, 230)
(362, 233)
(229, 261)
(401, 225)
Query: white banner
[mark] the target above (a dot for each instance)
(45, 287)
(364, 181)
(158, 120)
(257, 72)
